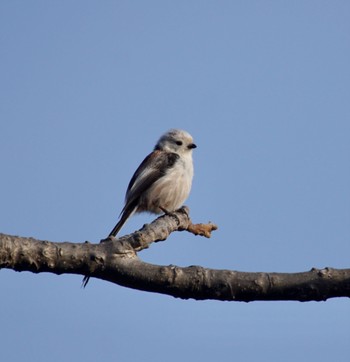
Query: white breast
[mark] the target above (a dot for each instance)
(171, 190)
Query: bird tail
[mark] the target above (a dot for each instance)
(126, 213)
(85, 281)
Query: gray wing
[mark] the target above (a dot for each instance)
(152, 168)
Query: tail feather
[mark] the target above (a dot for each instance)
(126, 213)
(85, 281)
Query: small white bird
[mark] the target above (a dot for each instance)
(163, 180)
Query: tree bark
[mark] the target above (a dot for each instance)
(116, 260)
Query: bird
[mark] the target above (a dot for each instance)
(163, 180)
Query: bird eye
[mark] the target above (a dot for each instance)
(179, 143)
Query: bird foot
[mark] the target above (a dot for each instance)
(170, 213)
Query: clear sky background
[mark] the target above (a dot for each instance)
(87, 88)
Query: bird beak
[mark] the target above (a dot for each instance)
(191, 146)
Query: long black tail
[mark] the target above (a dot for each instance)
(126, 213)
(85, 281)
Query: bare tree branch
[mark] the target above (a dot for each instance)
(116, 260)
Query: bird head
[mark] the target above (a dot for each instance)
(177, 141)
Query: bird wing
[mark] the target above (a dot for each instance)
(152, 168)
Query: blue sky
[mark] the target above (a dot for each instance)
(86, 90)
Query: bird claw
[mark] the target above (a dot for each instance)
(166, 212)
(171, 214)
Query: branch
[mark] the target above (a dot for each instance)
(116, 260)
